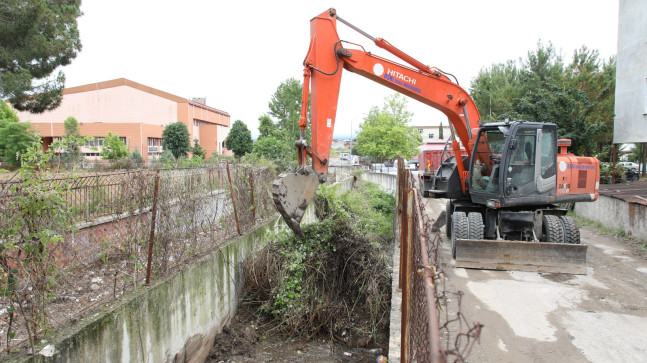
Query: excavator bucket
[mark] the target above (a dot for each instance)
(521, 256)
(292, 193)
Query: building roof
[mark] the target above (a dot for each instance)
(126, 82)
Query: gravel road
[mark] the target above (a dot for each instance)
(541, 317)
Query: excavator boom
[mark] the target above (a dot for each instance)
(323, 66)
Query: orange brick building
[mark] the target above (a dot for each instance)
(135, 112)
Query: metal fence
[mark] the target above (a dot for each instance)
(434, 329)
(131, 227)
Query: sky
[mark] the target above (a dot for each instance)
(236, 53)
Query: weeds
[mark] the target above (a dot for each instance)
(336, 279)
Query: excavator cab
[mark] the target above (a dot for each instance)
(514, 163)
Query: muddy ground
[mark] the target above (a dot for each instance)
(247, 339)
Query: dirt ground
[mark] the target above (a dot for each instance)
(538, 317)
(246, 339)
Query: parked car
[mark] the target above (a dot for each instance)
(629, 165)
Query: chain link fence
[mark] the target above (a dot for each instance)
(128, 228)
(434, 329)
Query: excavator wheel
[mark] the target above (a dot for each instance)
(475, 225)
(571, 230)
(460, 229)
(553, 229)
(449, 208)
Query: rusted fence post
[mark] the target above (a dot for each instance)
(233, 199)
(251, 187)
(152, 235)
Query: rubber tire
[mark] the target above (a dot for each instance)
(476, 227)
(553, 229)
(571, 230)
(460, 229)
(449, 209)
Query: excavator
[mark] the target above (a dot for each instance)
(503, 209)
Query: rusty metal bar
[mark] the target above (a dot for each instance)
(233, 199)
(251, 187)
(407, 226)
(152, 235)
(436, 354)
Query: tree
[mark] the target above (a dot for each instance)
(37, 37)
(578, 97)
(385, 133)
(441, 132)
(136, 156)
(15, 138)
(285, 107)
(197, 150)
(266, 126)
(72, 152)
(6, 113)
(113, 148)
(239, 139)
(176, 138)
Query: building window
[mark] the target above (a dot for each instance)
(420, 130)
(154, 145)
(431, 135)
(98, 141)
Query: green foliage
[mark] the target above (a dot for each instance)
(176, 139)
(385, 133)
(38, 36)
(15, 138)
(334, 278)
(167, 158)
(578, 97)
(239, 139)
(72, 151)
(113, 148)
(266, 126)
(285, 107)
(217, 158)
(136, 156)
(198, 150)
(7, 113)
(37, 218)
(273, 147)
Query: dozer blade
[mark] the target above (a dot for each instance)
(521, 256)
(292, 193)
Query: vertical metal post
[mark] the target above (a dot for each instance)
(251, 186)
(152, 235)
(407, 227)
(233, 199)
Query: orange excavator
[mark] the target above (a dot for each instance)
(503, 198)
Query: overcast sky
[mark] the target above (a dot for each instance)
(236, 53)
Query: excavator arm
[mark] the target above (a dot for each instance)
(325, 61)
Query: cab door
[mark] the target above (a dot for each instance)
(530, 167)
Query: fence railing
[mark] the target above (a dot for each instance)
(130, 226)
(426, 308)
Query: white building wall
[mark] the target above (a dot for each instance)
(631, 73)
(120, 104)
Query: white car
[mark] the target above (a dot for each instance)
(629, 165)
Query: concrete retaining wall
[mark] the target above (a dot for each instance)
(616, 214)
(387, 182)
(175, 320)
